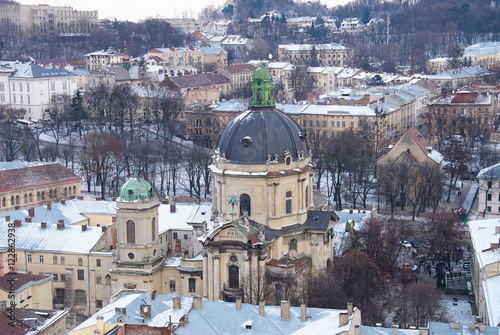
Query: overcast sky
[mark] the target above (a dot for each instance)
(134, 10)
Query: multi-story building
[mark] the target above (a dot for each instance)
(489, 191)
(29, 291)
(214, 57)
(48, 20)
(31, 321)
(238, 74)
(485, 55)
(102, 58)
(26, 186)
(485, 267)
(179, 56)
(351, 26)
(332, 54)
(201, 87)
(186, 24)
(456, 78)
(461, 113)
(437, 65)
(33, 88)
(217, 27)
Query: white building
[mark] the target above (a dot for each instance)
(217, 27)
(489, 191)
(31, 87)
(351, 25)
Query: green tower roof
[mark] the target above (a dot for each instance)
(137, 190)
(262, 84)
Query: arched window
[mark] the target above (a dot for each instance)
(3, 202)
(74, 190)
(153, 229)
(65, 192)
(288, 202)
(192, 285)
(245, 204)
(69, 190)
(38, 196)
(234, 276)
(31, 197)
(17, 200)
(292, 246)
(54, 193)
(108, 279)
(50, 194)
(43, 195)
(130, 231)
(12, 201)
(25, 198)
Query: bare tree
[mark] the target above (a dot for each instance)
(418, 304)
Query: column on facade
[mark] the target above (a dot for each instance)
(216, 278)
(270, 194)
(210, 275)
(277, 200)
(205, 273)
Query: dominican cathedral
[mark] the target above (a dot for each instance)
(263, 237)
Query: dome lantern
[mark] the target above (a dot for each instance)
(262, 84)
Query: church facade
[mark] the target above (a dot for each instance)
(263, 238)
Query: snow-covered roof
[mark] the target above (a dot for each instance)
(174, 221)
(71, 239)
(161, 311)
(482, 233)
(72, 212)
(223, 318)
(482, 49)
(492, 296)
(490, 172)
(305, 47)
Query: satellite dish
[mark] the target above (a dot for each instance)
(270, 56)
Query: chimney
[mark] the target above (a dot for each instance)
(172, 208)
(60, 226)
(153, 295)
(497, 229)
(285, 310)
(43, 225)
(103, 229)
(343, 319)
(124, 311)
(118, 309)
(98, 199)
(100, 324)
(84, 227)
(262, 308)
(71, 197)
(27, 219)
(17, 223)
(183, 321)
(238, 303)
(80, 198)
(394, 329)
(17, 208)
(31, 212)
(7, 218)
(176, 302)
(349, 308)
(197, 302)
(63, 201)
(303, 311)
(49, 207)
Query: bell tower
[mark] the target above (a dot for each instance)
(138, 258)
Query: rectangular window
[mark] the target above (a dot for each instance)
(192, 285)
(352, 124)
(185, 236)
(29, 258)
(317, 123)
(489, 196)
(98, 280)
(98, 263)
(2, 97)
(80, 261)
(41, 258)
(59, 296)
(172, 286)
(81, 275)
(2, 88)
(52, 86)
(488, 208)
(175, 236)
(63, 277)
(333, 124)
(343, 124)
(13, 87)
(98, 304)
(20, 87)
(54, 259)
(27, 87)
(62, 260)
(56, 276)
(338, 124)
(65, 85)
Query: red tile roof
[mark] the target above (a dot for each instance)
(28, 177)
(464, 98)
(38, 318)
(21, 279)
(240, 68)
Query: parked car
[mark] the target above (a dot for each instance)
(466, 265)
(415, 244)
(406, 244)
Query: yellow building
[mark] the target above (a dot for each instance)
(179, 56)
(486, 55)
(332, 54)
(28, 290)
(31, 185)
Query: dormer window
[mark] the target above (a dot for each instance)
(247, 140)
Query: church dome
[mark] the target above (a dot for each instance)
(262, 134)
(137, 190)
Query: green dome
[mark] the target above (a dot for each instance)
(137, 190)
